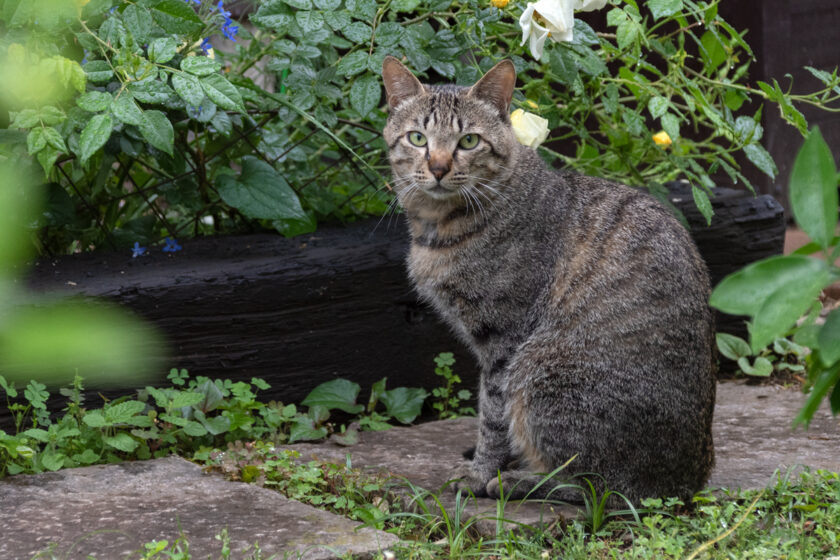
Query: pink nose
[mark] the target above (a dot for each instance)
(439, 169)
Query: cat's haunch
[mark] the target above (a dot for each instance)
(585, 302)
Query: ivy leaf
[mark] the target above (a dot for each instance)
(222, 92)
(126, 110)
(163, 49)
(338, 393)
(94, 135)
(176, 17)
(157, 130)
(200, 65)
(365, 94)
(188, 88)
(813, 189)
(94, 101)
(260, 192)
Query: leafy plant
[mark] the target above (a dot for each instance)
(783, 355)
(776, 292)
(448, 399)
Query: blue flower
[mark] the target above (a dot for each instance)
(196, 1)
(137, 250)
(171, 245)
(229, 31)
(222, 11)
(206, 45)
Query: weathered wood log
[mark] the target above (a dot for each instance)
(337, 303)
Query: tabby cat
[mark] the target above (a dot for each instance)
(584, 301)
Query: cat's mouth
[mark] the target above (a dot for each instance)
(440, 192)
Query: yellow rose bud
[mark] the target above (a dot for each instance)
(530, 130)
(662, 139)
(499, 3)
(532, 104)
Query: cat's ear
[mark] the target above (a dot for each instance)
(497, 86)
(400, 83)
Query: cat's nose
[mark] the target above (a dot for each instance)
(439, 165)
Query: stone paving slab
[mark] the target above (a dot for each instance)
(752, 433)
(110, 511)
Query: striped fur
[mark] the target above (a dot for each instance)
(584, 301)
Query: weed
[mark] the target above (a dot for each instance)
(447, 400)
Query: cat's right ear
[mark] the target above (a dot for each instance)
(400, 83)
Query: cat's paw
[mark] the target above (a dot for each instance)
(468, 480)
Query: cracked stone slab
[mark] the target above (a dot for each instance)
(752, 433)
(110, 511)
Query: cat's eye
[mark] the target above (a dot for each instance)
(468, 141)
(417, 138)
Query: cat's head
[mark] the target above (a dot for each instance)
(449, 143)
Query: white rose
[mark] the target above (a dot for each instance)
(552, 18)
(544, 19)
(530, 129)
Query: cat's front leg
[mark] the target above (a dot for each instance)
(492, 450)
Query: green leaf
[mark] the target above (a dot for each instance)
(338, 393)
(829, 339)
(404, 403)
(358, 32)
(825, 381)
(122, 442)
(151, 91)
(215, 425)
(185, 398)
(51, 460)
(671, 125)
(94, 101)
(299, 4)
(353, 63)
(303, 429)
(51, 115)
(94, 419)
(337, 20)
(138, 22)
(813, 189)
(701, 199)
(176, 17)
(626, 33)
(211, 396)
(98, 71)
(761, 368)
(404, 5)
(745, 292)
(162, 50)
(365, 94)
(188, 88)
(781, 310)
(309, 21)
(200, 65)
(26, 119)
(664, 8)
(157, 130)
(658, 106)
(126, 110)
(122, 412)
(222, 92)
(94, 135)
(260, 192)
(35, 140)
(761, 159)
(194, 429)
(731, 346)
(37, 434)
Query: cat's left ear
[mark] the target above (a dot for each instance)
(497, 86)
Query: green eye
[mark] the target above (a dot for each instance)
(469, 141)
(417, 138)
